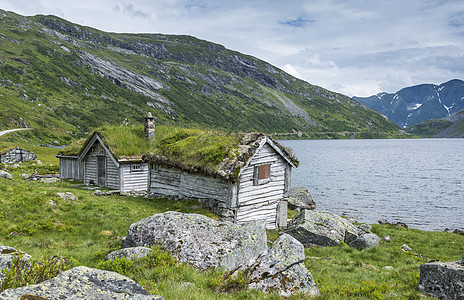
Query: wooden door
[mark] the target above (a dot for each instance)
(101, 170)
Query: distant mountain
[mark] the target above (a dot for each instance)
(65, 80)
(449, 127)
(413, 105)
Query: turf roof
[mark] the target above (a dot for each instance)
(202, 151)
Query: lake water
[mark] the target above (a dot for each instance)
(418, 182)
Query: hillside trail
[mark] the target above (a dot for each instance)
(12, 130)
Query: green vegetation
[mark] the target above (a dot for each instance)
(84, 231)
(58, 86)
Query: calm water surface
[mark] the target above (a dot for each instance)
(419, 182)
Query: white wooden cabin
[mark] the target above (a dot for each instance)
(96, 165)
(257, 192)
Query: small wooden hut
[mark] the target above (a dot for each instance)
(241, 177)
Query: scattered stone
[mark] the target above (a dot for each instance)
(321, 228)
(83, 283)
(133, 193)
(129, 253)
(4, 174)
(49, 179)
(459, 231)
(199, 240)
(51, 202)
(39, 163)
(107, 193)
(385, 222)
(406, 247)
(13, 166)
(387, 239)
(7, 255)
(281, 269)
(67, 196)
(389, 268)
(365, 241)
(23, 175)
(300, 198)
(444, 280)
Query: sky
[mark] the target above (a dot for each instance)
(354, 47)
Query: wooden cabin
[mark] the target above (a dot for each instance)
(241, 177)
(10, 155)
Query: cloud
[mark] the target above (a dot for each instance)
(300, 22)
(292, 71)
(128, 9)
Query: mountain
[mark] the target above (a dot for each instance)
(413, 105)
(64, 80)
(449, 127)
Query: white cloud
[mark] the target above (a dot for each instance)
(292, 71)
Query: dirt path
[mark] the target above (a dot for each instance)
(11, 130)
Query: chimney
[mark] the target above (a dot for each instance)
(149, 127)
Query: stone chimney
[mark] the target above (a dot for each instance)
(149, 127)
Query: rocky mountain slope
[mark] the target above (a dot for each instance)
(413, 105)
(65, 80)
(449, 127)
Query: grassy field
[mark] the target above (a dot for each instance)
(84, 231)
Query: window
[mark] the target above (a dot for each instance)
(136, 168)
(262, 174)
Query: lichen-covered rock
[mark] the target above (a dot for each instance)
(67, 196)
(83, 283)
(365, 241)
(281, 269)
(199, 240)
(299, 198)
(442, 280)
(129, 253)
(321, 228)
(4, 174)
(7, 255)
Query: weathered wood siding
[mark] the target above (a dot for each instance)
(91, 168)
(177, 183)
(134, 180)
(260, 201)
(71, 168)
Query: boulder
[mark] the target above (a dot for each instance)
(49, 179)
(281, 269)
(82, 283)
(199, 240)
(322, 228)
(4, 174)
(365, 241)
(129, 253)
(7, 254)
(300, 198)
(442, 280)
(67, 196)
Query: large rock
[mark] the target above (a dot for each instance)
(83, 283)
(300, 198)
(365, 241)
(281, 269)
(199, 240)
(4, 174)
(7, 255)
(321, 228)
(129, 253)
(442, 280)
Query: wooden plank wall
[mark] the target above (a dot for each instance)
(91, 166)
(177, 183)
(112, 173)
(260, 201)
(135, 180)
(71, 168)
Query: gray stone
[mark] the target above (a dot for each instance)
(7, 255)
(300, 198)
(129, 253)
(49, 180)
(83, 283)
(4, 174)
(387, 239)
(67, 196)
(365, 241)
(281, 269)
(199, 240)
(366, 228)
(442, 280)
(321, 228)
(406, 247)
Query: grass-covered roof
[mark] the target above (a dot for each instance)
(203, 151)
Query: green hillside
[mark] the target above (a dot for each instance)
(64, 80)
(449, 127)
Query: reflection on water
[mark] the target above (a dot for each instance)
(418, 182)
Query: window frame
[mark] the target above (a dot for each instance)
(136, 167)
(260, 171)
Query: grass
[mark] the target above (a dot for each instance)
(84, 231)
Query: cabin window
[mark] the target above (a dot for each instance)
(101, 150)
(262, 174)
(136, 168)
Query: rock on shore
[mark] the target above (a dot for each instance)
(444, 280)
